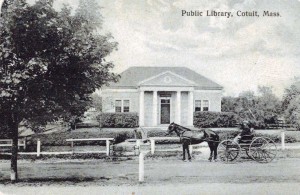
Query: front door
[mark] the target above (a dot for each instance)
(165, 111)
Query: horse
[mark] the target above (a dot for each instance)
(187, 137)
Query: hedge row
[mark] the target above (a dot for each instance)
(59, 138)
(223, 134)
(119, 120)
(215, 119)
(162, 133)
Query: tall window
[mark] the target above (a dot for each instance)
(197, 105)
(118, 105)
(201, 105)
(125, 105)
(122, 105)
(205, 105)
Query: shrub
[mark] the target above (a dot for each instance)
(121, 137)
(118, 120)
(227, 134)
(87, 125)
(277, 138)
(158, 133)
(4, 134)
(138, 134)
(59, 138)
(162, 133)
(215, 119)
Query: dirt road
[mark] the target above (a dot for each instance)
(172, 189)
(168, 175)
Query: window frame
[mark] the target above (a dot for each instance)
(208, 105)
(202, 105)
(122, 105)
(195, 107)
(118, 106)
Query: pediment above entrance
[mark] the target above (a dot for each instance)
(167, 79)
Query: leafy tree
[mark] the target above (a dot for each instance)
(260, 109)
(50, 63)
(228, 104)
(97, 102)
(249, 95)
(291, 105)
(290, 93)
(268, 105)
(241, 105)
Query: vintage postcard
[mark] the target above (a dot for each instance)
(149, 97)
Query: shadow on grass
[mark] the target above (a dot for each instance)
(62, 180)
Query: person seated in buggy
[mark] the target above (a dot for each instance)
(246, 134)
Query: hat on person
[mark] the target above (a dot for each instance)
(245, 122)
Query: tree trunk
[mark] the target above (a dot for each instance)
(14, 152)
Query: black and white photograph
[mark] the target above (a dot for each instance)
(149, 97)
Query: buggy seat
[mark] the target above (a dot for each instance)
(246, 138)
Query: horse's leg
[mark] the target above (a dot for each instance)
(188, 152)
(211, 150)
(216, 151)
(183, 147)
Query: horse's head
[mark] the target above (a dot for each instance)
(171, 128)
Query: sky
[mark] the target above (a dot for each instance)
(239, 53)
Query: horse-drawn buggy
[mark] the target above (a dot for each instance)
(260, 149)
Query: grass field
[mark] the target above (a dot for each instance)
(58, 138)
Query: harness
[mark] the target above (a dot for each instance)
(180, 134)
(181, 137)
(208, 137)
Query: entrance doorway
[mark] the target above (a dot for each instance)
(165, 110)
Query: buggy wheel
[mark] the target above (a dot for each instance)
(271, 150)
(229, 151)
(249, 154)
(262, 150)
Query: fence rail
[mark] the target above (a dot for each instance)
(191, 147)
(39, 152)
(8, 143)
(279, 124)
(108, 140)
(152, 149)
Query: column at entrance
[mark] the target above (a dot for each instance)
(154, 112)
(190, 108)
(142, 107)
(178, 108)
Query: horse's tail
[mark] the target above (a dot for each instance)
(217, 139)
(212, 134)
(217, 136)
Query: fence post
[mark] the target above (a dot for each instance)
(283, 140)
(141, 167)
(152, 144)
(72, 146)
(138, 145)
(38, 152)
(107, 147)
(25, 143)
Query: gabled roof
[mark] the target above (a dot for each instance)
(131, 77)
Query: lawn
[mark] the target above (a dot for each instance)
(54, 140)
(58, 138)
